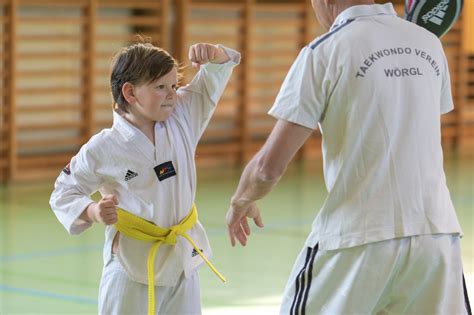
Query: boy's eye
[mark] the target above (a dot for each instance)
(163, 87)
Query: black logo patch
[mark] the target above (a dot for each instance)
(130, 174)
(165, 170)
(195, 253)
(67, 169)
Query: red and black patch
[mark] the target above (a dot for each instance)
(165, 170)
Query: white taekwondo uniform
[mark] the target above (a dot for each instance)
(376, 85)
(156, 182)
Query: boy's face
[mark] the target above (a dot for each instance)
(156, 100)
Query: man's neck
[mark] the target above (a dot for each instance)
(341, 5)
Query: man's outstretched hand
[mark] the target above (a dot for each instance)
(237, 224)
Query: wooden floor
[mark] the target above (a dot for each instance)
(43, 270)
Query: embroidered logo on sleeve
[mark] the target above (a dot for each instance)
(67, 169)
(165, 170)
(195, 253)
(130, 174)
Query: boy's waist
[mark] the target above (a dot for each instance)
(171, 260)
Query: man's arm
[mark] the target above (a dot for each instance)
(261, 174)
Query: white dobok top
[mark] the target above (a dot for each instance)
(156, 182)
(376, 85)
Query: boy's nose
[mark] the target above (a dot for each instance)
(171, 93)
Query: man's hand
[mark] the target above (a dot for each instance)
(105, 211)
(202, 53)
(236, 219)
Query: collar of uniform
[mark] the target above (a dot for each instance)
(134, 135)
(357, 11)
(124, 127)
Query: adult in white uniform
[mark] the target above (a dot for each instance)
(387, 238)
(145, 165)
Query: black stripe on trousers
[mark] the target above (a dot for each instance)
(301, 291)
(466, 297)
(297, 284)
(310, 276)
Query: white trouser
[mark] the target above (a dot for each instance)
(413, 275)
(118, 295)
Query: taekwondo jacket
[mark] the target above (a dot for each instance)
(155, 182)
(375, 85)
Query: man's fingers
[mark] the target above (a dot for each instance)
(233, 218)
(231, 236)
(240, 234)
(245, 225)
(238, 225)
(254, 213)
(236, 232)
(258, 220)
(231, 222)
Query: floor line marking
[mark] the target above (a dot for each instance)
(51, 295)
(43, 254)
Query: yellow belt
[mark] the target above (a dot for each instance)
(142, 230)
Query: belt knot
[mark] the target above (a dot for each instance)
(140, 229)
(171, 236)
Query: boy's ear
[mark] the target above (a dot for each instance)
(128, 92)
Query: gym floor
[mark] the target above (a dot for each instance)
(43, 270)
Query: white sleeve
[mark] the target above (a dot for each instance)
(302, 97)
(446, 101)
(72, 191)
(197, 100)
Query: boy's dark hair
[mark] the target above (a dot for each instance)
(137, 64)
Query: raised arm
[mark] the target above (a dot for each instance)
(197, 100)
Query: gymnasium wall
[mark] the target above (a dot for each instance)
(55, 64)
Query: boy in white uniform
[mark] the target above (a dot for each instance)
(145, 165)
(386, 240)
